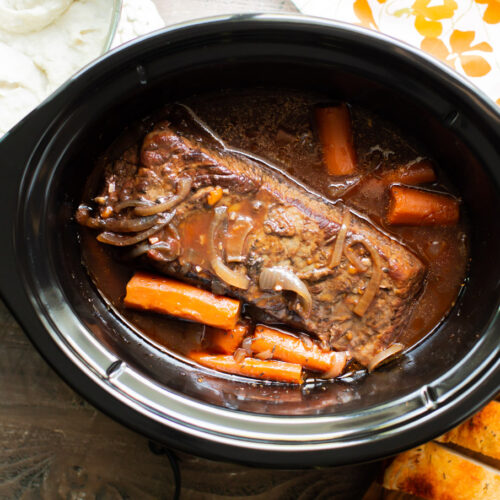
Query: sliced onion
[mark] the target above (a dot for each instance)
(247, 345)
(265, 355)
(119, 240)
(235, 245)
(183, 188)
(353, 258)
(164, 251)
(225, 273)
(273, 277)
(374, 284)
(338, 364)
(229, 276)
(131, 203)
(161, 245)
(122, 225)
(384, 355)
(175, 232)
(239, 355)
(113, 224)
(339, 241)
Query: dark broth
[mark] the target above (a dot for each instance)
(279, 126)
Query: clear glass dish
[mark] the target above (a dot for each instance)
(113, 25)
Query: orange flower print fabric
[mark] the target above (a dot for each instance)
(461, 52)
(427, 17)
(364, 13)
(492, 13)
(465, 34)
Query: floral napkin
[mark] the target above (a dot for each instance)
(465, 34)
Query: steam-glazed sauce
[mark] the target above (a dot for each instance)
(279, 127)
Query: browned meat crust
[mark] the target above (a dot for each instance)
(290, 228)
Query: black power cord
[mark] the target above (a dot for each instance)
(159, 449)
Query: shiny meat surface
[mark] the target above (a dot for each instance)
(238, 216)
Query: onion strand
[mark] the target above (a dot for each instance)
(120, 240)
(131, 203)
(273, 278)
(126, 225)
(235, 246)
(224, 272)
(183, 188)
(375, 279)
(164, 251)
(384, 355)
(339, 241)
(353, 258)
(239, 355)
(113, 224)
(339, 360)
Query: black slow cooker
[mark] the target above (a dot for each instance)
(46, 158)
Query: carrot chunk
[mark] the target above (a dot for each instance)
(226, 341)
(215, 195)
(251, 367)
(335, 134)
(291, 349)
(417, 173)
(163, 295)
(421, 208)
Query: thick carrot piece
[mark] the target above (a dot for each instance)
(251, 367)
(163, 295)
(420, 172)
(335, 134)
(226, 341)
(293, 350)
(417, 207)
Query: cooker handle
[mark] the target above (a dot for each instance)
(16, 147)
